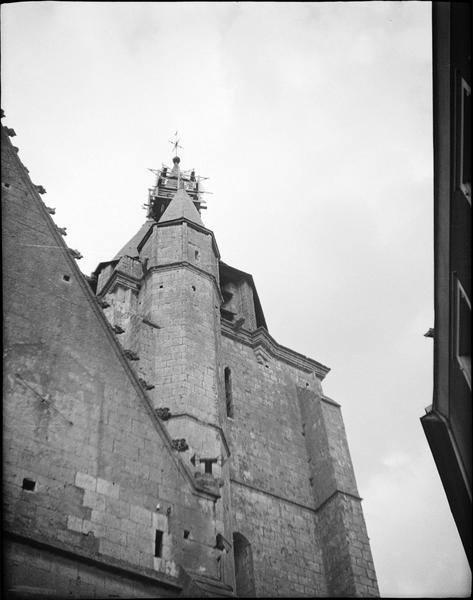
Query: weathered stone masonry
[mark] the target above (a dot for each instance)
(157, 440)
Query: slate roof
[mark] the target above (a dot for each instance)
(130, 248)
(180, 206)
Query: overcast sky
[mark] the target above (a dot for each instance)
(314, 123)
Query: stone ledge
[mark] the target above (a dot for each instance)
(272, 494)
(332, 495)
(184, 264)
(313, 509)
(180, 221)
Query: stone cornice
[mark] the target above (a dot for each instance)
(195, 226)
(260, 337)
(119, 277)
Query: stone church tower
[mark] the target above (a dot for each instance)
(157, 440)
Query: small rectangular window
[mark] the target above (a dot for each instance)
(158, 544)
(28, 485)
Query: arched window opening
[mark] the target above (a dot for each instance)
(228, 392)
(244, 575)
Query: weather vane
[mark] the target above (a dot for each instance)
(175, 143)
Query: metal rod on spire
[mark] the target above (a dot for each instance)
(175, 143)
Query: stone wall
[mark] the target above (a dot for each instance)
(77, 422)
(273, 505)
(287, 558)
(267, 441)
(294, 494)
(91, 473)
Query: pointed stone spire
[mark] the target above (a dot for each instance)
(181, 206)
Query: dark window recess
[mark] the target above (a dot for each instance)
(197, 255)
(193, 288)
(186, 534)
(158, 544)
(67, 277)
(29, 485)
(244, 574)
(228, 392)
(208, 462)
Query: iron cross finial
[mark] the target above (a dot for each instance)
(175, 143)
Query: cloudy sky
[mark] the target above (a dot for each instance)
(313, 123)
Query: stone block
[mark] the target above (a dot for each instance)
(74, 523)
(85, 481)
(108, 488)
(140, 515)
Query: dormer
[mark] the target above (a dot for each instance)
(241, 307)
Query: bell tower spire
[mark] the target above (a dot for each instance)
(169, 180)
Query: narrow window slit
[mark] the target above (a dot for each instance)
(228, 392)
(158, 544)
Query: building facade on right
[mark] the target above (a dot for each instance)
(447, 422)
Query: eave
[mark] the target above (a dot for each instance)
(452, 473)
